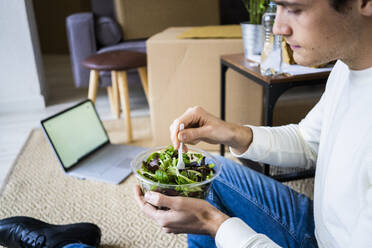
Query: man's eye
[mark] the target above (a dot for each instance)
(294, 11)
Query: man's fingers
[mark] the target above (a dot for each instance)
(184, 148)
(173, 230)
(147, 207)
(156, 199)
(190, 117)
(177, 230)
(140, 199)
(151, 211)
(139, 196)
(161, 200)
(193, 135)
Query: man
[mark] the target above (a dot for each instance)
(247, 209)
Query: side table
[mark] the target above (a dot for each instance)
(274, 87)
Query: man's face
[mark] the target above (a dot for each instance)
(316, 32)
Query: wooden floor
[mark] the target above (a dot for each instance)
(15, 127)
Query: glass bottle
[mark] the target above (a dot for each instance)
(271, 56)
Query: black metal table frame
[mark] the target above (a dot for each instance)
(271, 94)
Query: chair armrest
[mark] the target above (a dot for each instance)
(82, 43)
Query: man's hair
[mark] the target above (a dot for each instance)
(339, 5)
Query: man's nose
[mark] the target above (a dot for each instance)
(280, 27)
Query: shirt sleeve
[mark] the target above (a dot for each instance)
(361, 235)
(294, 145)
(235, 233)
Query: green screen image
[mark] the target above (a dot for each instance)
(75, 133)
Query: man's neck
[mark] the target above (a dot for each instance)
(360, 63)
(361, 53)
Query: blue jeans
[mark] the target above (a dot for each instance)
(266, 205)
(78, 245)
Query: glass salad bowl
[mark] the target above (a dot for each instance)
(156, 170)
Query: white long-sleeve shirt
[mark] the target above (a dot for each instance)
(336, 136)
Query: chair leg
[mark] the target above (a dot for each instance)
(115, 94)
(142, 71)
(124, 98)
(93, 85)
(111, 99)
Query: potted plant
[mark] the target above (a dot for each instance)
(252, 31)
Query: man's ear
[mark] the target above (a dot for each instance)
(366, 7)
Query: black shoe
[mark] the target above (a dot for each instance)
(26, 232)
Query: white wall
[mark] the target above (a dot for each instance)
(21, 73)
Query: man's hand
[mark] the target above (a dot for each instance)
(202, 126)
(185, 215)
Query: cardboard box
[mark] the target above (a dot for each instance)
(186, 72)
(142, 18)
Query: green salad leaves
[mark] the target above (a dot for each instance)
(161, 167)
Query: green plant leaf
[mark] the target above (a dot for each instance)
(255, 9)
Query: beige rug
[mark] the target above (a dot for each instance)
(39, 188)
